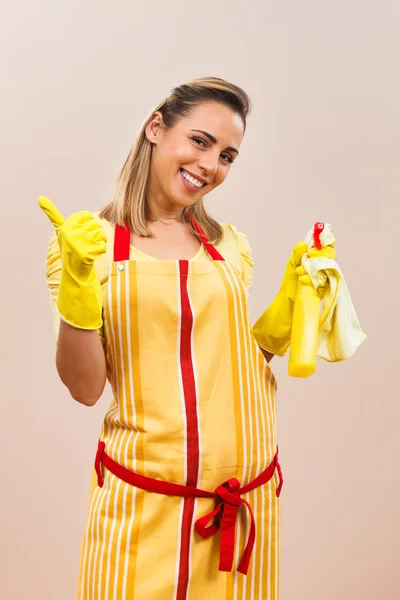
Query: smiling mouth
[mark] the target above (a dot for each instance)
(193, 181)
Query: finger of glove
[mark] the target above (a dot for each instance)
(51, 211)
(298, 252)
(93, 231)
(325, 252)
(301, 271)
(94, 227)
(305, 279)
(81, 217)
(94, 252)
(100, 236)
(91, 223)
(85, 240)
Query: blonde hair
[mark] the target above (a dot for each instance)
(129, 205)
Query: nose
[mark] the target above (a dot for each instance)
(208, 163)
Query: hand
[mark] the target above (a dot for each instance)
(303, 276)
(272, 331)
(81, 240)
(80, 237)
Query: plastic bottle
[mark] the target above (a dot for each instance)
(304, 338)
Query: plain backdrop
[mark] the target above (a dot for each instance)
(323, 143)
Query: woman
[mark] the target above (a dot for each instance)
(150, 294)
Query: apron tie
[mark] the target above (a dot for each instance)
(279, 469)
(223, 516)
(98, 463)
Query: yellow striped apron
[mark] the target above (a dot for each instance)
(194, 405)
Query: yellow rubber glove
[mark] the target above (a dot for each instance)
(272, 331)
(305, 279)
(81, 240)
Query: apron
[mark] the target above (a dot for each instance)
(185, 490)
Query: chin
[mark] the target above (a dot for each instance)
(184, 202)
(183, 196)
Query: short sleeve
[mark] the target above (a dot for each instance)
(245, 256)
(53, 276)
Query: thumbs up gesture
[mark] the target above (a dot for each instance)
(81, 240)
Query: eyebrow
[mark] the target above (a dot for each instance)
(214, 141)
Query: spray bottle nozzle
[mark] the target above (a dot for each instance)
(318, 229)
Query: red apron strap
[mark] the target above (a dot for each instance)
(122, 241)
(213, 252)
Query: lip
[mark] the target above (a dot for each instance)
(195, 176)
(190, 188)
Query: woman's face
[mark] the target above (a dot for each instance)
(195, 156)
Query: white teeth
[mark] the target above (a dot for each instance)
(192, 180)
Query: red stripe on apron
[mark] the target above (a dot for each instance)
(192, 427)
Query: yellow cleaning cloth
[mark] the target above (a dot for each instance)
(340, 332)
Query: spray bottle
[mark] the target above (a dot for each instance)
(304, 337)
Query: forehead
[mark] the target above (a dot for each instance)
(218, 120)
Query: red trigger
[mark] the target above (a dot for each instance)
(318, 229)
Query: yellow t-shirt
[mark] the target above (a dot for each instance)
(234, 247)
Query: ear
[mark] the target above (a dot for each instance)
(155, 127)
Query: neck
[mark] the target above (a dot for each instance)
(159, 206)
(159, 210)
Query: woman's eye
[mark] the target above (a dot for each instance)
(227, 158)
(199, 140)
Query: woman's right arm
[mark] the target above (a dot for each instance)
(80, 356)
(81, 363)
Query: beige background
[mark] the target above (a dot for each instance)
(323, 144)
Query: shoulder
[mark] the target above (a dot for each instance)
(233, 235)
(235, 247)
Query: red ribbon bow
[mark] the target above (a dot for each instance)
(225, 514)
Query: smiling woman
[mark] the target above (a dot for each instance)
(189, 438)
(184, 150)
(195, 157)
